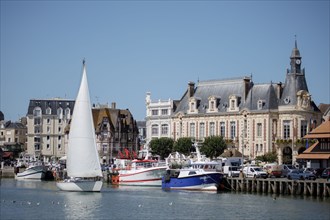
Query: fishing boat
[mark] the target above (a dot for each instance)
(191, 179)
(144, 171)
(202, 175)
(34, 171)
(83, 165)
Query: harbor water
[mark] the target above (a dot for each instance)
(42, 200)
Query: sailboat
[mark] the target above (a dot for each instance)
(83, 165)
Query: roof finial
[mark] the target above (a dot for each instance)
(84, 61)
(295, 41)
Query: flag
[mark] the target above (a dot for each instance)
(307, 143)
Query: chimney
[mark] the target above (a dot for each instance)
(246, 87)
(191, 89)
(279, 90)
(113, 105)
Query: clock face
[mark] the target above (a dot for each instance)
(298, 62)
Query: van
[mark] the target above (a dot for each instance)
(231, 171)
(255, 172)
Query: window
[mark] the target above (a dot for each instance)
(67, 113)
(212, 128)
(59, 130)
(48, 111)
(303, 128)
(222, 129)
(37, 130)
(259, 129)
(48, 138)
(48, 120)
(192, 129)
(201, 130)
(37, 139)
(154, 112)
(48, 130)
(164, 111)
(37, 112)
(212, 105)
(60, 113)
(192, 106)
(260, 104)
(37, 147)
(48, 146)
(59, 146)
(261, 148)
(164, 129)
(59, 138)
(37, 121)
(257, 148)
(286, 129)
(154, 130)
(232, 104)
(232, 130)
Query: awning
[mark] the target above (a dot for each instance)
(7, 154)
(314, 156)
(63, 158)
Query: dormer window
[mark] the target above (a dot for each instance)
(48, 111)
(193, 102)
(60, 113)
(260, 104)
(37, 112)
(233, 103)
(212, 104)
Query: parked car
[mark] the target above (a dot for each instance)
(301, 175)
(286, 169)
(326, 173)
(254, 171)
(318, 172)
(273, 169)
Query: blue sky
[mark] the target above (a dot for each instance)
(134, 47)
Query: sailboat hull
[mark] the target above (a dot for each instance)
(80, 186)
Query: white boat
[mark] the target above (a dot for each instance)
(35, 172)
(83, 165)
(139, 172)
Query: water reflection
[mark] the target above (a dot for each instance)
(81, 205)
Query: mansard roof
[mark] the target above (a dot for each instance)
(221, 89)
(54, 104)
(264, 93)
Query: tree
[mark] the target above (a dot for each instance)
(183, 145)
(268, 157)
(213, 146)
(162, 146)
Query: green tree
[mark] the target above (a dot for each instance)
(213, 146)
(183, 145)
(162, 146)
(268, 157)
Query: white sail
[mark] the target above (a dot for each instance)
(82, 155)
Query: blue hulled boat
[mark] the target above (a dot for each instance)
(191, 179)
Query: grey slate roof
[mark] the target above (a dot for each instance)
(294, 82)
(264, 92)
(221, 89)
(54, 104)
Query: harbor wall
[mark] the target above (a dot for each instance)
(319, 187)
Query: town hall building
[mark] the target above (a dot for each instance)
(254, 118)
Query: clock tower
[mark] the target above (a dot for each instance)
(295, 60)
